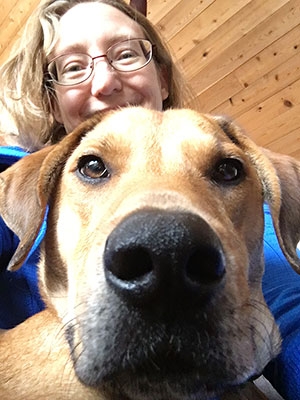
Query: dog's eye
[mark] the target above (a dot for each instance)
(228, 171)
(92, 167)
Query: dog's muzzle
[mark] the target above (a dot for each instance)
(160, 333)
(164, 258)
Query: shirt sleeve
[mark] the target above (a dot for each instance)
(281, 288)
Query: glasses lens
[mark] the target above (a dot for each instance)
(125, 56)
(70, 69)
(130, 55)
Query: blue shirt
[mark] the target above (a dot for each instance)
(281, 288)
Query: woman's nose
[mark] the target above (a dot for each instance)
(105, 80)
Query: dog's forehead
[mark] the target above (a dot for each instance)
(140, 126)
(187, 127)
(126, 125)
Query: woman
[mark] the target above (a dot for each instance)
(76, 58)
(30, 96)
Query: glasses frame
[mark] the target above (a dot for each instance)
(53, 79)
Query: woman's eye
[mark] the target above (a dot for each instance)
(126, 54)
(73, 68)
(92, 167)
(228, 171)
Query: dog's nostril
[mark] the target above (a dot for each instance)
(205, 266)
(131, 264)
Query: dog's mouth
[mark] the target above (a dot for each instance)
(178, 383)
(168, 377)
(165, 377)
(181, 363)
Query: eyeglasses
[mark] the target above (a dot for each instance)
(126, 56)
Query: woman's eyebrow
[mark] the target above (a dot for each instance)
(82, 47)
(72, 48)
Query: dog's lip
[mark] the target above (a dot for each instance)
(178, 375)
(171, 371)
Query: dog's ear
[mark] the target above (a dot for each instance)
(280, 177)
(21, 206)
(286, 220)
(26, 186)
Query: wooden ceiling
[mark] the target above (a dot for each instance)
(241, 58)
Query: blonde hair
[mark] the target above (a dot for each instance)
(25, 94)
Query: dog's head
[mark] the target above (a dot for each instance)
(153, 252)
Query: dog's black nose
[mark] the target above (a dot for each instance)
(165, 256)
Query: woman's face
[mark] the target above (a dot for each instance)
(92, 28)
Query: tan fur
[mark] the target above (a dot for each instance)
(163, 161)
(49, 373)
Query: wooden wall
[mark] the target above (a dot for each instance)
(241, 58)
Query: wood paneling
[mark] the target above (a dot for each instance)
(241, 59)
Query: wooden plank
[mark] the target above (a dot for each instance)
(288, 144)
(15, 19)
(5, 9)
(180, 16)
(265, 87)
(218, 93)
(12, 26)
(273, 129)
(254, 76)
(199, 33)
(270, 57)
(273, 106)
(158, 8)
(232, 48)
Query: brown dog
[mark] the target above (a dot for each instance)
(152, 261)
